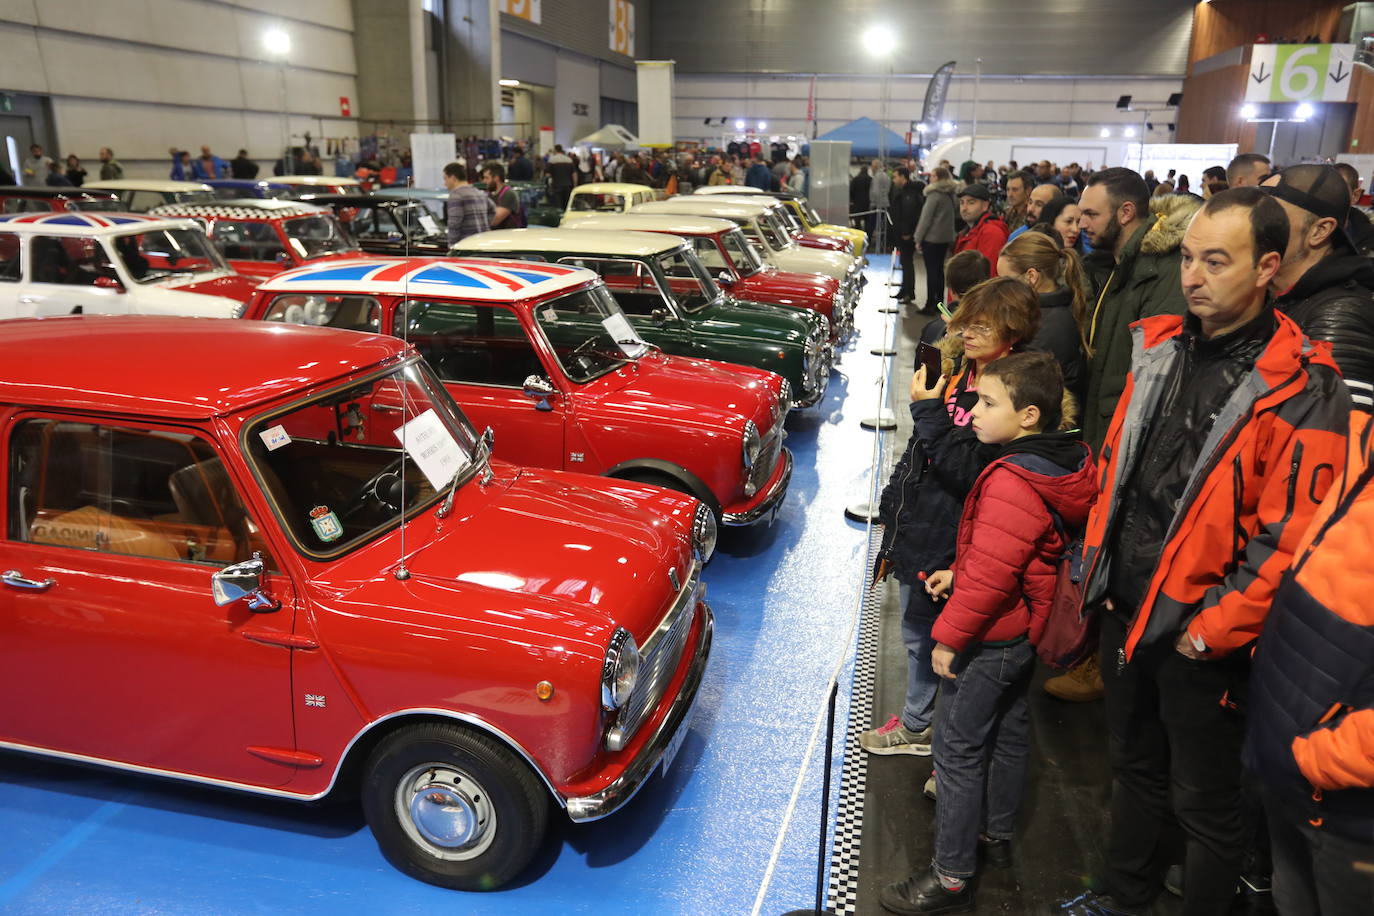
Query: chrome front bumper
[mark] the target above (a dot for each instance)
(736, 519)
(594, 807)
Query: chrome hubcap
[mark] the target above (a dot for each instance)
(446, 811)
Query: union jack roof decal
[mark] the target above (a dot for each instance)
(70, 218)
(465, 277)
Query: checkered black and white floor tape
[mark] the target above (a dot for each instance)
(842, 894)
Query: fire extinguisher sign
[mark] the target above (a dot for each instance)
(345, 107)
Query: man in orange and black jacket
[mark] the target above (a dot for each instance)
(1310, 737)
(1231, 429)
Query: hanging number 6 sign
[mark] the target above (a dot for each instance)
(1299, 73)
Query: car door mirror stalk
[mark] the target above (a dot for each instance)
(540, 390)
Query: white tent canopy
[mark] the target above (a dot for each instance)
(610, 136)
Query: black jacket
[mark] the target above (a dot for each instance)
(859, 186)
(924, 499)
(905, 210)
(1334, 302)
(1202, 382)
(1361, 230)
(1059, 335)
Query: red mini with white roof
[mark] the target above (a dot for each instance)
(262, 237)
(280, 560)
(113, 263)
(542, 354)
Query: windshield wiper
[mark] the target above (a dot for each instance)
(482, 457)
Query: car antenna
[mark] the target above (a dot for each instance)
(402, 573)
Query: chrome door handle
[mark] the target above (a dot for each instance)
(15, 579)
(28, 300)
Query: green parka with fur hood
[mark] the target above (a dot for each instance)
(1147, 282)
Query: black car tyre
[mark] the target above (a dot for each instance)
(453, 807)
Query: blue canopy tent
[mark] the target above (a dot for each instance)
(864, 135)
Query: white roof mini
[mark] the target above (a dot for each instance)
(654, 222)
(316, 180)
(727, 189)
(87, 223)
(250, 208)
(147, 184)
(611, 187)
(581, 241)
(734, 208)
(463, 278)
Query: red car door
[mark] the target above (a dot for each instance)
(484, 356)
(110, 643)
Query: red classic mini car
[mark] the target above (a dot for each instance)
(280, 560)
(262, 237)
(543, 355)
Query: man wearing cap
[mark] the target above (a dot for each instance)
(1358, 226)
(986, 232)
(1324, 284)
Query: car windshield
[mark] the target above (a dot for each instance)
(340, 467)
(600, 203)
(691, 282)
(193, 197)
(787, 218)
(312, 236)
(812, 216)
(417, 221)
(747, 260)
(98, 204)
(589, 333)
(779, 239)
(161, 253)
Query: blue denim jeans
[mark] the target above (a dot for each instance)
(921, 680)
(981, 744)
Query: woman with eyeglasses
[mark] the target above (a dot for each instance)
(924, 498)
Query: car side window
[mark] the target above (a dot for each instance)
(245, 241)
(68, 260)
(465, 342)
(122, 490)
(143, 201)
(709, 253)
(23, 205)
(631, 283)
(352, 313)
(9, 257)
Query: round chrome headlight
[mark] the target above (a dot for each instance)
(704, 533)
(620, 670)
(752, 443)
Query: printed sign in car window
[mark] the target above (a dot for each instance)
(618, 326)
(429, 443)
(428, 224)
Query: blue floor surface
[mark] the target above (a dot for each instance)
(78, 841)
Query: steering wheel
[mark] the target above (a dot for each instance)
(385, 487)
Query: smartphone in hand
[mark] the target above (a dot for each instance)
(929, 356)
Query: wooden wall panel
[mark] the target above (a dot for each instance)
(1225, 24)
(1362, 130)
(1210, 112)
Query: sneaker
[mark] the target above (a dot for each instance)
(1080, 684)
(929, 789)
(1173, 880)
(923, 893)
(1095, 904)
(892, 737)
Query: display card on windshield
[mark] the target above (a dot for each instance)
(431, 446)
(618, 326)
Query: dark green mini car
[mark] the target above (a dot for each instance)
(540, 207)
(672, 301)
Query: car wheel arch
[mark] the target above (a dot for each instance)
(638, 469)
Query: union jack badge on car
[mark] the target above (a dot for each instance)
(314, 699)
(325, 523)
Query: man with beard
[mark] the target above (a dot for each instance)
(1035, 205)
(1134, 271)
(1324, 284)
(1019, 185)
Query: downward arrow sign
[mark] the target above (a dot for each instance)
(1262, 76)
(1340, 73)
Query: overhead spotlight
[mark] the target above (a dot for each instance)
(509, 84)
(1104, 133)
(1304, 112)
(276, 42)
(1248, 111)
(739, 125)
(879, 41)
(1128, 132)
(947, 126)
(763, 125)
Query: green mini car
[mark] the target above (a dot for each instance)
(540, 207)
(673, 303)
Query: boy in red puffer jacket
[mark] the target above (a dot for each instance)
(999, 595)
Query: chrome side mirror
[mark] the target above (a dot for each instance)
(725, 280)
(283, 258)
(660, 316)
(243, 580)
(540, 390)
